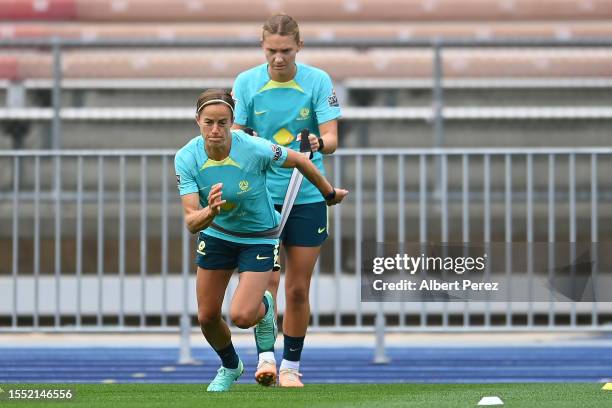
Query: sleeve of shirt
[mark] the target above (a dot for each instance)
(241, 106)
(326, 102)
(184, 177)
(270, 155)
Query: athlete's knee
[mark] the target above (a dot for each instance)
(297, 294)
(243, 319)
(207, 316)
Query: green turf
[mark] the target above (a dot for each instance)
(324, 395)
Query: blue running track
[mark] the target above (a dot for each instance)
(486, 364)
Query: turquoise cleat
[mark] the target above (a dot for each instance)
(225, 377)
(266, 330)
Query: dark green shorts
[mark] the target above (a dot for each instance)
(306, 225)
(215, 253)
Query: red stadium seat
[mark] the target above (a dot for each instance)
(37, 10)
(8, 67)
(340, 64)
(164, 11)
(314, 31)
(319, 19)
(343, 10)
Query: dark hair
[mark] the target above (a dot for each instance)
(211, 94)
(281, 24)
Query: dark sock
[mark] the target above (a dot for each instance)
(293, 348)
(266, 305)
(229, 358)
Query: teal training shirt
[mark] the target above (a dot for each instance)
(278, 111)
(243, 173)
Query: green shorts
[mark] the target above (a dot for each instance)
(215, 253)
(306, 226)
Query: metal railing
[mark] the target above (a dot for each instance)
(88, 198)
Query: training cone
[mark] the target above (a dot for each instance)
(491, 401)
(607, 387)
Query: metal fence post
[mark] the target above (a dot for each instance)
(15, 239)
(437, 107)
(56, 97)
(594, 240)
(438, 94)
(185, 346)
(380, 356)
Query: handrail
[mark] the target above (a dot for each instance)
(340, 152)
(324, 43)
(348, 113)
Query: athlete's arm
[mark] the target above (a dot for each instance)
(328, 131)
(197, 218)
(310, 171)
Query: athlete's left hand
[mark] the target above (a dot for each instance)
(340, 194)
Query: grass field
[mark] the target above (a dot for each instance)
(322, 395)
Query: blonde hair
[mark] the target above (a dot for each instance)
(281, 24)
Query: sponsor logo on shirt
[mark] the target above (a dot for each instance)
(178, 179)
(228, 206)
(332, 100)
(278, 152)
(283, 137)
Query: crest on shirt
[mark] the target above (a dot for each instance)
(304, 114)
(244, 187)
(332, 100)
(278, 152)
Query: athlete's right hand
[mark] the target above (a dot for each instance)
(214, 199)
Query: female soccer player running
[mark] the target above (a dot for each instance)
(221, 177)
(278, 99)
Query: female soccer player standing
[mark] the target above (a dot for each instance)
(278, 99)
(221, 177)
